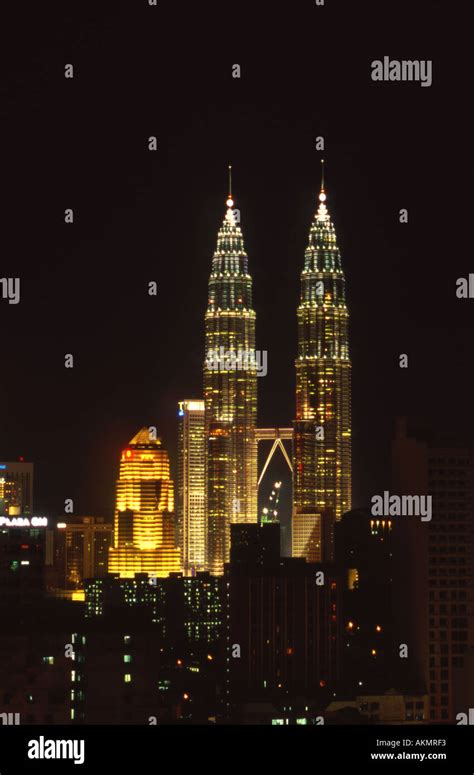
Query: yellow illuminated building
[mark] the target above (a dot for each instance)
(230, 393)
(144, 527)
(191, 486)
(306, 536)
(322, 430)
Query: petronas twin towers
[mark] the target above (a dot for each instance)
(230, 393)
(322, 426)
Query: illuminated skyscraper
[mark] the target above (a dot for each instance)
(191, 486)
(230, 393)
(322, 430)
(144, 529)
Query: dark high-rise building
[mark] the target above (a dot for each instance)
(34, 669)
(22, 561)
(184, 609)
(322, 429)
(435, 610)
(230, 393)
(254, 545)
(151, 647)
(365, 558)
(283, 616)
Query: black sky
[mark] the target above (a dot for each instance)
(142, 216)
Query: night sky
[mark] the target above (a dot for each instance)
(142, 216)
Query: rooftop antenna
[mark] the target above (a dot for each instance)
(322, 193)
(230, 201)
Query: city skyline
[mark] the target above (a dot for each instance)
(144, 216)
(218, 436)
(236, 416)
(229, 238)
(135, 547)
(170, 436)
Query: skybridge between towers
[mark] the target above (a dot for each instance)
(278, 436)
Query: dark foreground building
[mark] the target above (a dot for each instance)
(435, 608)
(364, 555)
(282, 629)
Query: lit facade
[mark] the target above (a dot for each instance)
(230, 394)
(322, 429)
(202, 608)
(306, 536)
(191, 486)
(144, 528)
(80, 551)
(16, 489)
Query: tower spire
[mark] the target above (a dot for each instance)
(322, 193)
(230, 201)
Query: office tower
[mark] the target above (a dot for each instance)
(144, 530)
(435, 611)
(230, 393)
(322, 429)
(80, 551)
(16, 489)
(191, 486)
